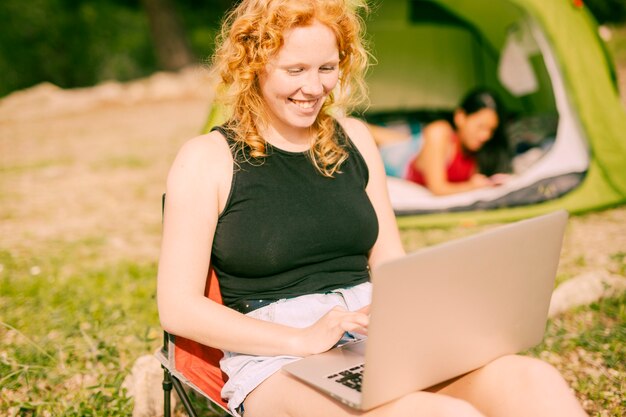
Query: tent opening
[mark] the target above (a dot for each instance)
(430, 53)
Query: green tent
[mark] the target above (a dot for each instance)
(541, 56)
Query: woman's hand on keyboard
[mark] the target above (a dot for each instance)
(324, 334)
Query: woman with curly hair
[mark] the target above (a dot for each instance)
(287, 202)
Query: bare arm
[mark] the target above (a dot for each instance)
(385, 136)
(197, 188)
(433, 160)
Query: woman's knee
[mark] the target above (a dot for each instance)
(435, 405)
(523, 370)
(454, 407)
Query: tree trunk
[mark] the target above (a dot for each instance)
(170, 44)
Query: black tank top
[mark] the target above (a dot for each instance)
(287, 230)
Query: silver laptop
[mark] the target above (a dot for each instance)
(446, 310)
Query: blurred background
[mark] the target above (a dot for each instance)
(78, 43)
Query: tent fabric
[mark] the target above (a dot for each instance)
(408, 198)
(428, 61)
(559, 170)
(589, 92)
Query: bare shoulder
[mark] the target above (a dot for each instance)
(210, 147)
(203, 158)
(439, 129)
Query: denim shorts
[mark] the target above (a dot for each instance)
(246, 372)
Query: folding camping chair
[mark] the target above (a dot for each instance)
(189, 363)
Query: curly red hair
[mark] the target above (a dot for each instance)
(252, 34)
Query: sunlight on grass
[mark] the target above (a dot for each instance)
(619, 263)
(71, 335)
(120, 162)
(69, 340)
(35, 166)
(414, 239)
(588, 346)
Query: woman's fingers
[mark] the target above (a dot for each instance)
(364, 310)
(329, 329)
(356, 321)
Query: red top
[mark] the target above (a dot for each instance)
(460, 168)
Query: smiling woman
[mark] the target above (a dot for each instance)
(296, 84)
(252, 50)
(289, 207)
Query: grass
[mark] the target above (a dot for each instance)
(70, 335)
(70, 338)
(39, 165)
(588, 345)
(116, 162)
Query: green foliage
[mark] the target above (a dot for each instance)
(71, 43)
(608, 11)
(202, 21)
(77, 43)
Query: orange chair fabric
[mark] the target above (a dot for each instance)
(199, 363)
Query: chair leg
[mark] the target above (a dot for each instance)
(167, 393)
(184, 398)
(168, 382)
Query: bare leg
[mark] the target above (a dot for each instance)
(282, 396)
(516, 386)
(510, 386)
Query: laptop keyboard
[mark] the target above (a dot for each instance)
(351, 378)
